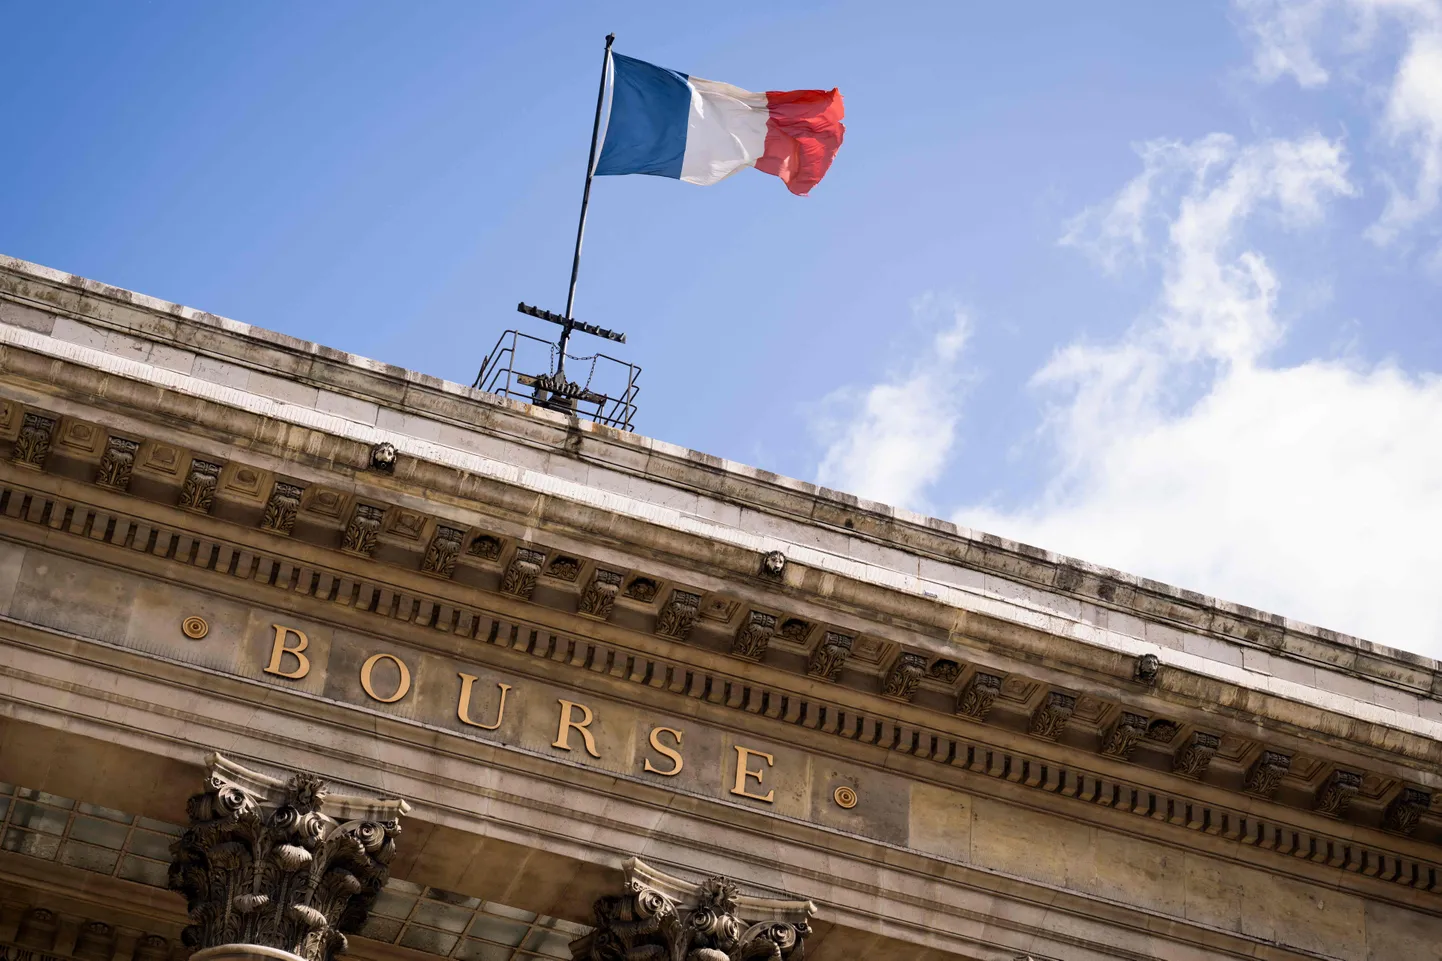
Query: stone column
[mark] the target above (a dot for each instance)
(276, 869)
(661, 917)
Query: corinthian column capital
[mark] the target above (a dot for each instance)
(659, 916)
(279, 869)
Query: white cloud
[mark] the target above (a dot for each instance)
(1181, 454)
(889, 442)
(1293, 37)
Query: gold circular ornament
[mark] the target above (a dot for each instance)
(845, 797)
(195, 628)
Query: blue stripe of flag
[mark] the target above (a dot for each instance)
(646, 133)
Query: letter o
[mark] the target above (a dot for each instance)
(401, 689)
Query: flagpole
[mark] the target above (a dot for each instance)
(585, 202)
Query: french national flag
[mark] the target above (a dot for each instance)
(668, 124)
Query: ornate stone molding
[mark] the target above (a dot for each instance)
(1196, 756)
(976, 698)
(1337, 792)
(283, 865)
(486, 547)
(520, 577)
(1264, 775)
(32, 445)
(117, 463)
(363, 530)
(1406, 810)
(904, 676)
(754, 636)
(679, 615)
(1122, 739)
(662, 918)
(944, 670)
(829, 657)
(599, 598)
(443, 551)
(198, 492)
(1052, 715)
(280, 510)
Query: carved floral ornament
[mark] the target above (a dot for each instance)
(280, 864)
(661, 918)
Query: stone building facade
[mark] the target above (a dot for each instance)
(303, 654)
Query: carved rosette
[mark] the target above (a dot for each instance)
(679, 615)
(1266, 773)
(904, 675)
(363, 530)
(198, 491)
(280, 864)
(754, 636)
(976, 699)
(281, 509)
(1051, 716)
(1406, 810)
(599, 597)
(666, 919)
(564, 569)
(442, 552)
(521, 574)
(827, 660)
(1123, 737)
(117, 463)
(1337, 792)
(32, 445)
(945, 671)
(1194, 757)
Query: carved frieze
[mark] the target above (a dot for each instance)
(976, 698)
(1122, 739)
(1337, 792)
(280, 510)
(679, 615)
(564, 568)
(197, 493)
(363, 530)
(662, 918)
(32, 445)
(443, 551)
(599, 598)
(1266, 773)
(1406, 810)
(280, 864)
(519, 579)
(486, 547)
(1052, 715)
(1196, 755)
(117, 464)
(754, 636)
(829, 657)
(905, 674)
(945, 671)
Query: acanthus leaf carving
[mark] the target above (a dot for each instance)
(754, 636)
(976, 699)
(281, 508)
(1266, 774)
(1196, 755)
(281, 864)
(661, 918)
(1406, 810)
(1122, 739)
(363, 530)
(1051, 716)
(32, 445)
(905, 674)
(443, 551)
(599, 598)
(1337, 792)
(829, 657)
(519, 580)
(117, 464)
(679, 615)
(197, 493)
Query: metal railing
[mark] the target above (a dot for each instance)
(505, 371)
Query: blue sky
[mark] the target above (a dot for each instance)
(1151, 284)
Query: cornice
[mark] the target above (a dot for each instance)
(149, 319)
